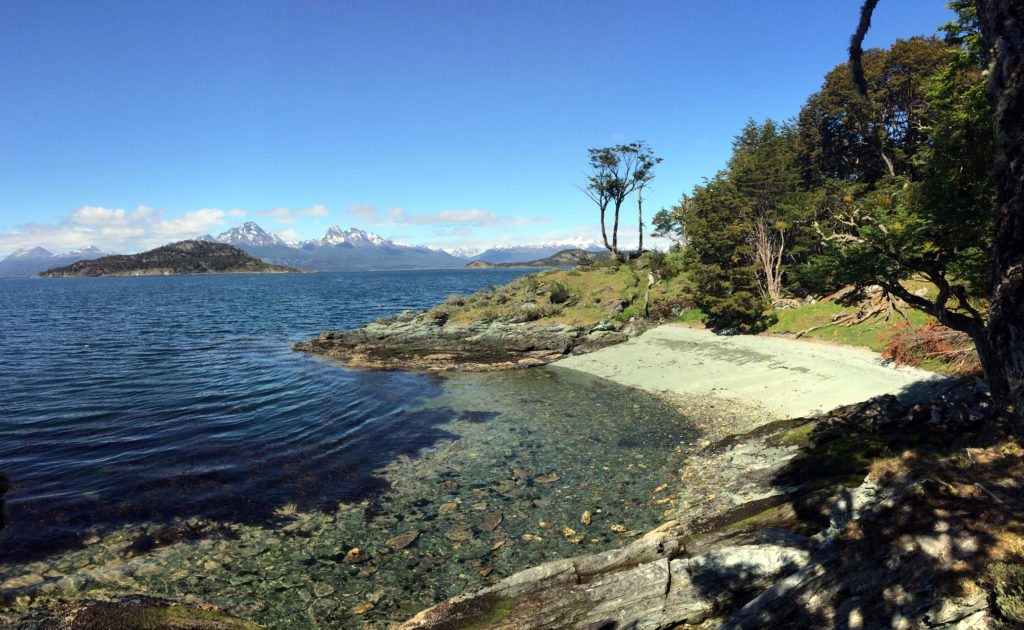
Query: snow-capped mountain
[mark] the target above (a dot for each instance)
(250, 234)
(31, 261)
(86, 253)
(352, 236)
(337, 250)
(463, 252)
(30, 253)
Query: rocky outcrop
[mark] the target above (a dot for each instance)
(421, 341)
(908, 547)
(649, 584)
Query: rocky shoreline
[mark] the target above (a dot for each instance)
(906, 547)
(425, 342)
(879, 514)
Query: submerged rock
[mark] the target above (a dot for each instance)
(491, 522)
(134, 612)
(402, 540)
(355, 555)
(777, 543)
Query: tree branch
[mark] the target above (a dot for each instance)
(856, 51)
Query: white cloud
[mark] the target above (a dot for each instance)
(286, 215)
(290, 234)
(371, 215)
(116, 229)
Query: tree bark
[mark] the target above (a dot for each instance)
(767, 252)
(615, 231)
(640, 219)
(604, 232)
(1002, 27)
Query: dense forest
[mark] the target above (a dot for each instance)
(899, 178)
(855, 191)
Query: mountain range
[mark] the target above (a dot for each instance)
(30, 261)
(336, 250)
(355, 249)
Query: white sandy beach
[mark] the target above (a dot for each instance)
(786, 377)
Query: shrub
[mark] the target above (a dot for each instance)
(489, 314)
(662, 264)
(529, 283)
(531, 311)
(439, 315)
(933, 341)
(735, 311)
(558, 293)
(455, 300)
(672, 307)
(1008, 580)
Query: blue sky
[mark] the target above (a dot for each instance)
(442, 122)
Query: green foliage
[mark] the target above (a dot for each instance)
(558, 293)
(862, 191)
(665, 266)
(1008, 583)
(848, 138)
(616, 173)
(690, 317)
(720, 260)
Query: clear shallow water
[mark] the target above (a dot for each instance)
(125, 399)
(164, 439)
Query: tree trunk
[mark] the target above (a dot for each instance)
(1002, 26)
(615, 232)
(767, 252)
(604, 232)
(640, 219)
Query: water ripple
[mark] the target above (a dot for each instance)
(131, 399)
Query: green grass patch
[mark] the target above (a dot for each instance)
(583, 297)
(693, 317)
(873, 334)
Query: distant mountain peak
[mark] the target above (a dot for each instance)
(573, 242)
(30, 252)
(353, 236)
(463, 252)
(249, 233)
(30, 261)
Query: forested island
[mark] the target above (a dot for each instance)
(181, 258)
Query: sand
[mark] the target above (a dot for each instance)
(788, 378)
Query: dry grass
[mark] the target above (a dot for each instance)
(576, 297)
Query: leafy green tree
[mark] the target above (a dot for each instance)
(669, 223)
(1000, 24)
(765, 170)
(932, 218)
(848, 138)
(719, 257)
(616, 173)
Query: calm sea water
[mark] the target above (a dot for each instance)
(164, 440)
(136, 399)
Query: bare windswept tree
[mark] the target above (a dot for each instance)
(767, 243)
(1002, 28)
(644, 175)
